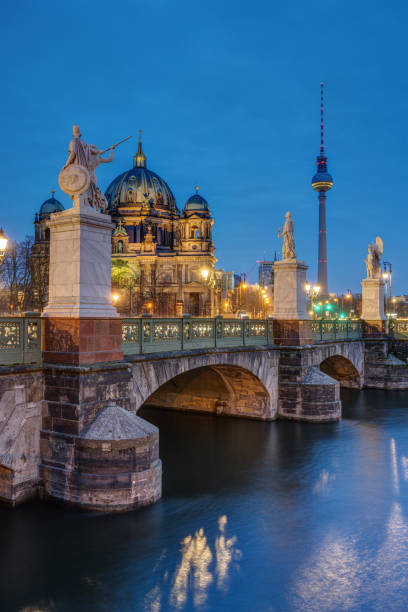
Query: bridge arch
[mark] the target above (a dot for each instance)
(343, 361)
(343, 370)
(236, 383)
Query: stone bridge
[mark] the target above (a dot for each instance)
(70, 432)
(254, 382)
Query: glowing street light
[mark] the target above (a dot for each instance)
(205, 273)
(115, 298)
(3, 243)
(312, 291)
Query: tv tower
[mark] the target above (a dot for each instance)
(322, 182)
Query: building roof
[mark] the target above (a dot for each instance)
(51, 205)
(140, 185)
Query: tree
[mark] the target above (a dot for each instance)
(125, 278)
(15, 275)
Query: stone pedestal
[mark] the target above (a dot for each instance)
(372, 312)
(95, 452)
(292, 324)
(81, 325)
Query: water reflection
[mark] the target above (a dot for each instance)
(319, 511)
(200, 566)
(342, 573)
(323, 483)
(329, 580)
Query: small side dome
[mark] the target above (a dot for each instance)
(196, 202)
(50, 206)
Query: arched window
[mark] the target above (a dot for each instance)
(195, 232)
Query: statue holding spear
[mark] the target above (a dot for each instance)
(78, 174)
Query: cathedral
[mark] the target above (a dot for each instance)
(162, 258)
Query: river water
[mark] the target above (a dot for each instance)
(255, 516)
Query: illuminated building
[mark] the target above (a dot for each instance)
(322, 182)
(168, 253)
(40, 251)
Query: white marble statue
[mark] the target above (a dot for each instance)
(373, 259)
(288, 247)
(89, 157)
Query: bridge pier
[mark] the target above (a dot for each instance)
(306, 393)
(95, 452)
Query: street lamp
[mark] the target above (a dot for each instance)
(388, 275)
(115, 298)
(3, 243)
(205, 273)
(312, 291)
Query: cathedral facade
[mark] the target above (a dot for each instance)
(162, 258)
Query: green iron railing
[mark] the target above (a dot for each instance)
(150, 335)
(325, 331)
(20, 340)
(398, 328)
(20, 336)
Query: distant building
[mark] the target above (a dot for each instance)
(40, 251)
(400, 305)
(162, 257)
(265, 273)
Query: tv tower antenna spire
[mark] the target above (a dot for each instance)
(322, 182)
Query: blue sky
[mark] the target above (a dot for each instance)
(227, 94)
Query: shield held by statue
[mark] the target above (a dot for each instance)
(74, 180)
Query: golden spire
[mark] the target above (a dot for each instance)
(139, 160)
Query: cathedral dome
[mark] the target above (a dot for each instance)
(50, 206)
(140, 185)
(196, 202)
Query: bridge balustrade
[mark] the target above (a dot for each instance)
(326, 330)
(20, 340)
(20, 336)
(398, 328)
(150, 335)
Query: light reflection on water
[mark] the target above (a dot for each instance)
(275, 517)
(198, 567)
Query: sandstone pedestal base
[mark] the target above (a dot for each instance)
(372, 308)
(373, 329)
(80, 266)
(292, 325)
(289, 290)
(82, 340)
(292, 332)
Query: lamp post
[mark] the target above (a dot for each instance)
(348, 296)
(312, 291)
(3, 243)
(388, 275)
(242, 285)
(385, 277)
(205, 274)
